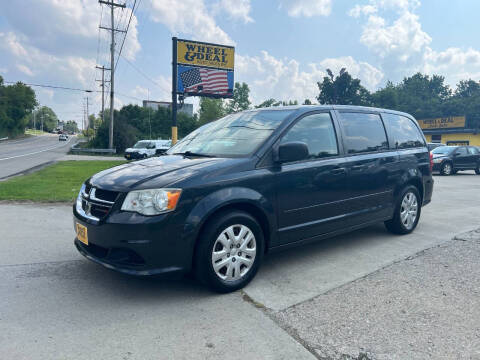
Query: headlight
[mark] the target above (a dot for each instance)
(152, 201)
(437, 160)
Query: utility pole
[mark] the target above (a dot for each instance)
(112, 29)
(102, 85)
(34, 124)
(174, 90)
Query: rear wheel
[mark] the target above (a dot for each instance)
(407, 212)
(477, 169)
(447, 169)
(229, 252)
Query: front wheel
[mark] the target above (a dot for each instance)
(477, 169)
(229, 252)
(407, 212)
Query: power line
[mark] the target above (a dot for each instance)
(126, 32)
(143, 74)
(51, 86)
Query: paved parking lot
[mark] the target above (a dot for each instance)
(55, 304)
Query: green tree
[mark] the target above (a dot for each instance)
(71, 126)
(342, 89)
(16, 102)
(268, 103)
(307, 102)
(44, 116)
(465, 101)
(210, 109)
(423, 96)
(240, 99)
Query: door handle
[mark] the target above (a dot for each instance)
(357, 167)
(338, 171)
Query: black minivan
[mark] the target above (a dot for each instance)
(251, 183)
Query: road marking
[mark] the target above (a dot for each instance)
(25, 140)
(36, 152)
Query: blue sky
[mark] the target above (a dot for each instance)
(283, 47)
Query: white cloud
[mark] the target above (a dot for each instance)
(362, 10)
(189, 17)
(66, 27)
(25, 69)
(404, 47)
(282, 79)
(403, 38)
(368, 74)
(456, 64)
(307, 8)
(237, 9)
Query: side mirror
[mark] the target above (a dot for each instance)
(291, 151)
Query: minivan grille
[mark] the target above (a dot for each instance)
(97, 202)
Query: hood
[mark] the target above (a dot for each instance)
(131, 150)
(165, 169)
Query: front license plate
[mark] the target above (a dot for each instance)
(82, 233)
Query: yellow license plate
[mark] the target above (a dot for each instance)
(82, 233)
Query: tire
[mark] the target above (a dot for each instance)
(477, 169)
(447, 169)
(215, 246)
(405, 224)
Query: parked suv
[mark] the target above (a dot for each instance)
(146, 148)
(450, 159)
(254, 182)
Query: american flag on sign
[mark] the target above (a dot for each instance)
(205, 81)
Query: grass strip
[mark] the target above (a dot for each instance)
(59, 182)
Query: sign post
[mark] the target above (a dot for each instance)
(200, 69)
(174, 91)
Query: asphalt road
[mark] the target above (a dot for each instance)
(56, 304)
(20, 155)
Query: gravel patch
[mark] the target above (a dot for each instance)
(425, 307)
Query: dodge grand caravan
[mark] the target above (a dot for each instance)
(251, 183)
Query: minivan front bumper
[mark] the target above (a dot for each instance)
(150, 247)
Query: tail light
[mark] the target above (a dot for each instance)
(431, 161)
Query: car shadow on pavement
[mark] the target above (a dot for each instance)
(282, 263)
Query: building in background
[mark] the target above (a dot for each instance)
(449, 130)
(155, 105)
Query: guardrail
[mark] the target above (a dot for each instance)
(77, 149)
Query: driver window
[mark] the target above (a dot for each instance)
(317, 132)
(461, 151)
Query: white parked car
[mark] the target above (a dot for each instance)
(146, 148)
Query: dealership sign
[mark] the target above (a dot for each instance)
(204, 69)
(448, 122)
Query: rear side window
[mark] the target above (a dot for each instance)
(317, 132)
(363, 132)
(405, 133)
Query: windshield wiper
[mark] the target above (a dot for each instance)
(190, 153)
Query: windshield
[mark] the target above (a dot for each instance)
(443, 150)
(141, 145)
(234, 135)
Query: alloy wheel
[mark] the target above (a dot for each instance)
(409, 210)
(234, 252)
